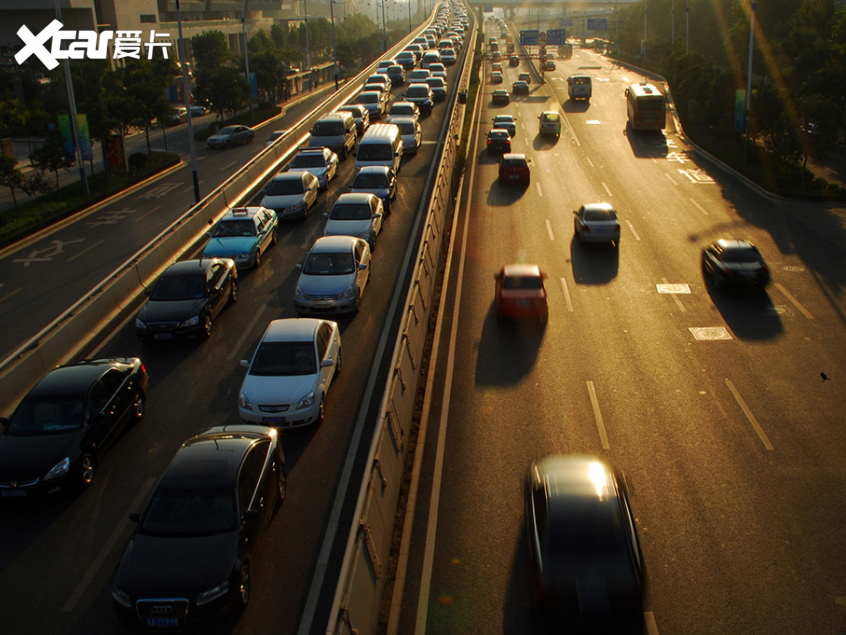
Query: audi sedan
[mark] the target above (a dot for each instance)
(230, 136)
(521, 293)
(290, 373)
(291, 194)
(57, 434)
(597, 223)
(584, 550)
(735, 264)
(197, 541)
(186, 299)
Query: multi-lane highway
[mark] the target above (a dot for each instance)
(711, 406)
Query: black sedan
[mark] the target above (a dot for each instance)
(735, 264)
(56, 435)
(499, 141)
(195, 545)
(583, 544)
(186, 299)
(520, 87)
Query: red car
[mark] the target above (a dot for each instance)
(514, 168)
(521, 292)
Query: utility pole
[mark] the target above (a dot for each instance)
(187, 95)
(246, 53)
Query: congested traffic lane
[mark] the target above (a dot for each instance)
(724, 443)
(195, 386)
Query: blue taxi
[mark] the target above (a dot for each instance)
(243, 235)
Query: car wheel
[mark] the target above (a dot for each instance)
(233, 292)
(244, 584)
(321, 410)
(258, 257)
(138, 406)
(207, 325)
(281, 484)
(274, 237)
(87, 467)
(338, 362)
(718, 282)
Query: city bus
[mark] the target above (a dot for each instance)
(646, 107)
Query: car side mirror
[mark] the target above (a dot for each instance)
(362, 266)
(326, 363)
(135, 517)
(326, 215)
(244, 363)
(298, 266)
(249, 515)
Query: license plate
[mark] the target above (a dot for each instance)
(273, 419)
(14, 493)
(162, 622)
(163, 336)
(522, 303)
(515, 177)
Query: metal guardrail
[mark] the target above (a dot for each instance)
(358, 597)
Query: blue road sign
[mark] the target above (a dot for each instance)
(556, 36)
(529, 37)
(597, 24)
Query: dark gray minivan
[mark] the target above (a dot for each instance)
(335, 131)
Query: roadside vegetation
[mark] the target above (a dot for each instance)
(798, 105)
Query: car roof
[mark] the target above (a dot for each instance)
(605, 207)
(244, 212)
(71, 379)
(522, 270)
(333, 244)
(575, 476)
(189, 266)
(375, 169)
(319, 151)
(730, 243)
(502, 132)
(504, 118)
(354, 197)
(292, 329)
(291, 175)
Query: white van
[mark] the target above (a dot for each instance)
(579, 87)
(380, 145)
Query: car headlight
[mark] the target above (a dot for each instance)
(244, 402)
(298, 294)
(121, 598)
(59, 469)
(306, 401)
(296, 207)
(193, 321)
(139, 324)
(244, 255)
(212, 594)
(365, 235)
(349, 292)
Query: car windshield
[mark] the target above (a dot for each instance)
(308, 160)
(280, 359)
(415, 91)
(240, 227)
(600, 215)
(46, 415)
(402, 109)
(368, 98)
(281, 187)
(190, 512)
(741, 254)
(406, 127)
(522, 282)
(503, 121)
(350, 211)
(514, 163)
(174, 288)
(329, 264)
(498, 134)
(364, 180)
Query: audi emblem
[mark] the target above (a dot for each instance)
(161, 609)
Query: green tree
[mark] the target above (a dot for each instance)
(225, 89)
(51, 157)
(10, 174)
(210, 50)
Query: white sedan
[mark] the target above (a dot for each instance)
(290, 373)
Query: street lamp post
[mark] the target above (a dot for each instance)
(246, 54)
(384, 30)
(334, 49)
(308, 47)
(409, 15)
(748, 79)
(194, 174)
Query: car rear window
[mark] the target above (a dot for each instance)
(281, 187)
(741, 254)
(350, 211)
(514, 163)
(522, 282)
(308, 160)
(600, 215)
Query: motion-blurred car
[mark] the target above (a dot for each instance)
(379, 180)
(230, 136)
(549, 123)
(506, 122)
(333, 276)
(500, 97)
(520, 88)
(597, 223)
(514, 168)
(584, 550)
(186, 299)
(196, 542)
(243, 235)
(521, 293)
(358, 215)
(735, 264)
(291, 194)
(499, 141)
(290, 373)
(321, 162)
(57, 434)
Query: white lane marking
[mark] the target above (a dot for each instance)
(597, 414)
(699, 207)
(566, 295)
(752, 420)
(709, 333)
(651, 624)
(590, 163)
(549, 230)
(670, 179)
(795, 302)
(631, 227)
(10, 294)
(593, 122)
(675, 298)
(119, 529)
(607, 189)
(537, 185)
(673, 288)
(79, 253)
